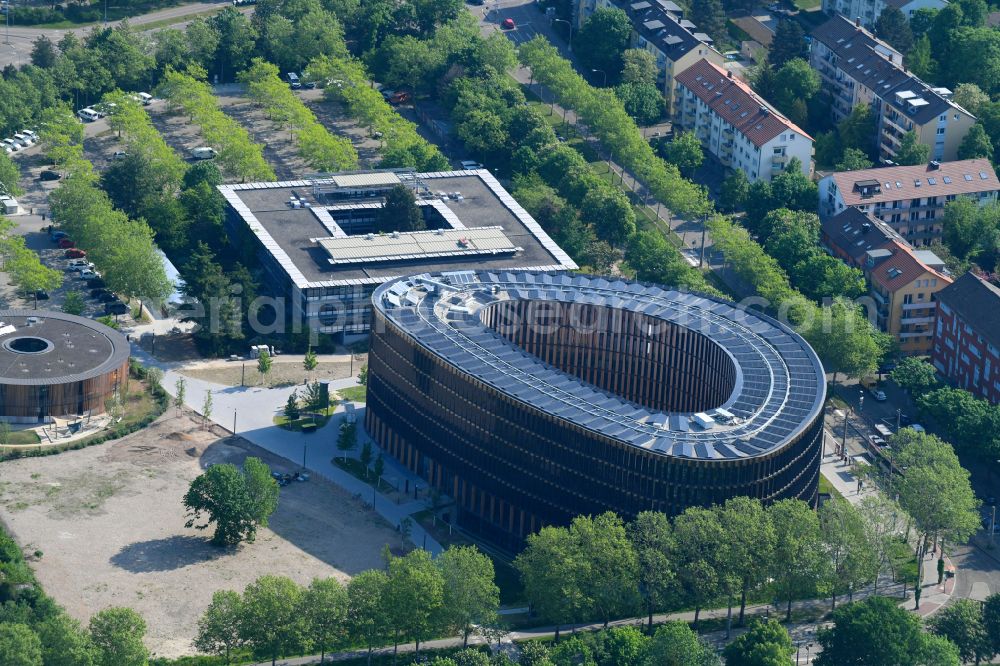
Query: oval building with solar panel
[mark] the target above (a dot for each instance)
(533, 397)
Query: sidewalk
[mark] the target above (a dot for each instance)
(932, 596)
(249, 412)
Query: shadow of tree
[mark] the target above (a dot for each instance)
(167, 554)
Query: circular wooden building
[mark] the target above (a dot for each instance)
(54, 364)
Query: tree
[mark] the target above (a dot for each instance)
(935, 491)
(766, 643)
(675, 644)
(366, 456)
(961, 622)
(893, 27)
(700, 540)
(685, 152)
(638, 66)
(64, 642)
(551, 580)
(43, 52)
(263, 364)
(73, 303)
(399, 212)
(750, 544)
(655, 260)
(471, 597)
(272, 622)
(366, 599)
(970, 97)
(642, 101)
(920, 60)
(309, 362)
(378, 468)
(610, 211)
(606, 33)
(206, 406)
(29, 273)
(10, 174)
(710, 17)
(878, 632)
(976, 144)
(414, 597)
(652, 539)
(798, 563)
(219, 625)
(180, 392)
(795, 83)
(608, 565)
(735, 190)
(363, 375)
(789, 43)
(911, 152)
(325, 608)
(852, 557)
(846, 341)
(857, 130)
(19, 645)
(292, 411)
(236, 501)
(914, 375)
(347, 439)
(117, 637)
(991, 620)
(853, 160)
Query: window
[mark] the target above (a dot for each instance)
(907, 299)
(943, 117)
(940, 131)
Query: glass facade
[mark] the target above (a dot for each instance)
(512, 467)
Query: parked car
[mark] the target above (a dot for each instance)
(145, 98)
(508, 24)
(88, 115)
(119, 155)
(58, 236)
(293, 80)
(49, 174)
(877, 441)
(41, 295)
(402, 97)
(96, 282)
(98, 293)
(79, 265)
(470, 165)
(877, 393)
(88, 273)
(14, 146)
(66, 243)
(203, 153)
(75, 253)
(33, 134)
(24, 139)
(117, 308)
(107, 297)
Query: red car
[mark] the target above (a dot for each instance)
(400, 98)
(75, 253)
(66, 243)
(508, 24)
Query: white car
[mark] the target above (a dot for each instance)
(24, 139)
(7, 149)
(88, 115)
(203, 153)
(88, 273)
(119, 155)
(145, 98)
(13, 145)
(877, 393)
(31, 134)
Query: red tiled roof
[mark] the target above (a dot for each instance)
(736, 102)
(901, 269)
(900, 182)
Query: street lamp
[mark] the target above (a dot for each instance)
(557, 20)
(605, 76)
(861, 401)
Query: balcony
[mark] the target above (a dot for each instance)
(916, 320)
(931, 305)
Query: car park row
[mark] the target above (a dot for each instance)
(79, 268)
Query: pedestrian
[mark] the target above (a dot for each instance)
(43, 217)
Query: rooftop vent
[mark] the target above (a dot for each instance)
(933, 165)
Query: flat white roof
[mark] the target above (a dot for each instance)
(366, 179)
(417, 245)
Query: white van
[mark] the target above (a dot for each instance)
(145, 98)
(88, 115)
(293, 80)
(203, 153)
(24, 139)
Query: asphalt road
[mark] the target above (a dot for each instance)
(15, 48)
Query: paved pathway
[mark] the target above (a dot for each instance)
(249, 411)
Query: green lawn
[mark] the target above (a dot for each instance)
(354, 467)
(826, 487)
(353, 393)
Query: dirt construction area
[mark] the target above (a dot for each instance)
(110, 525)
